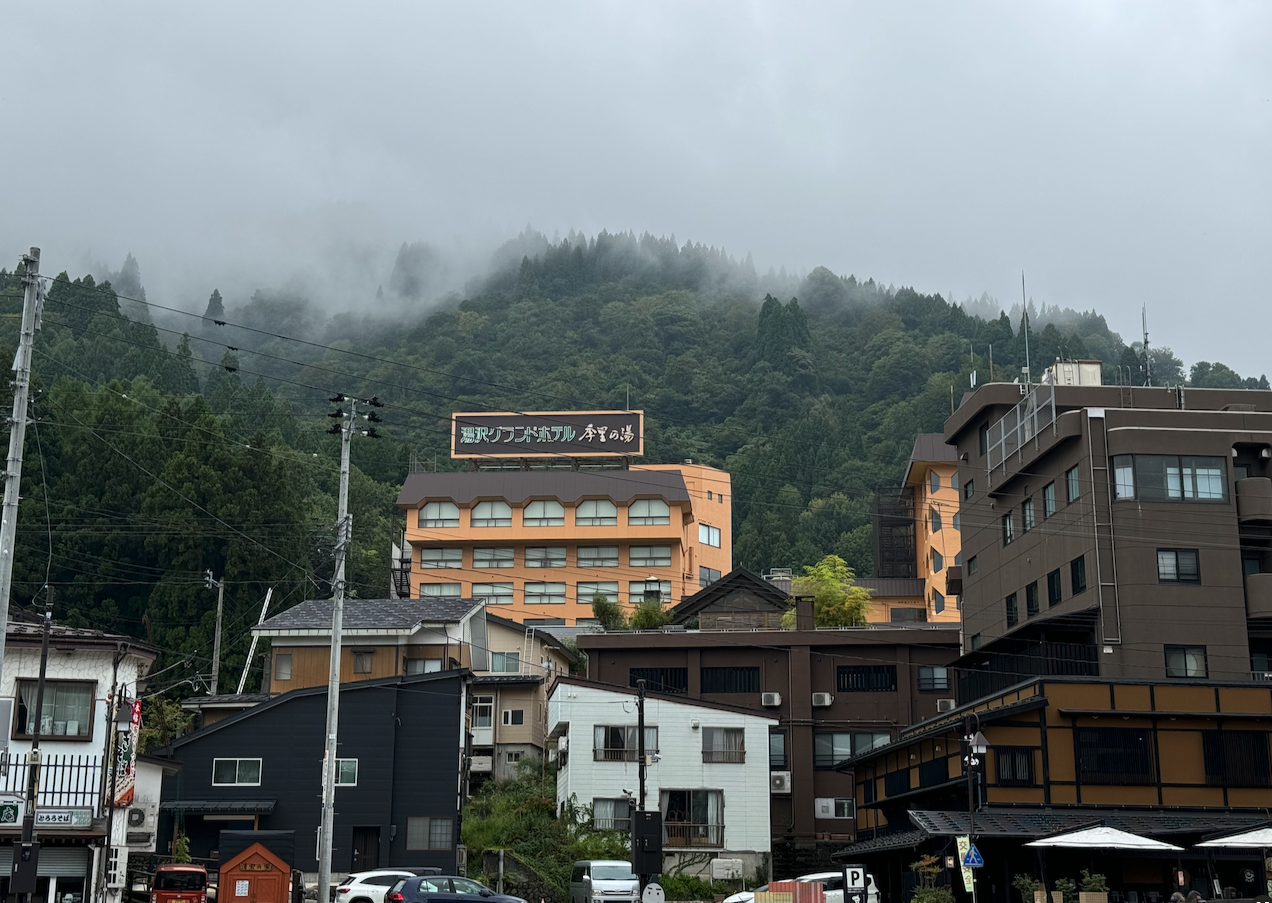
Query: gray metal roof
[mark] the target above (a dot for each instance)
(371, 615)
(519, 486)
(236, 807)
(1039, 823)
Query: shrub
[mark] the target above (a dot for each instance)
(1068, 890)
(1026, 885)
(1093, 883)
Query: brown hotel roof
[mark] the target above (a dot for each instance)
(519, 486)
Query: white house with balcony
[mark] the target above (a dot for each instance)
(86, 816)
(708, 775)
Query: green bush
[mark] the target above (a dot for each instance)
(1068, 890)
(1026, 885)
(686, 887)
(1093, 883)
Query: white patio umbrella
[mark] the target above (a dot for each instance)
(1255, 838)
(1101, 837)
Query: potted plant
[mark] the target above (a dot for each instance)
(1030, 889)
(1066, 890)
(1093, 888)
(927, 891)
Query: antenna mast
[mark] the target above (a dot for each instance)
(1148, 363)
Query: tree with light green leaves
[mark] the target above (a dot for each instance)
(837, 600)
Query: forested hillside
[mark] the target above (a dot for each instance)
(168, 444)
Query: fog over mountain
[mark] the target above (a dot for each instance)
(1116, 152)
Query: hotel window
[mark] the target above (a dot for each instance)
(543, 514)
(648, 513)
(282, 666)
(969, 489)
(545, 557)
(954, 481)
(709, 536)
(1013, 616)
(439, 514)
(544, 593)
(492, 514)
(67, 713)
(649, 556)
(441, 590)
(1072, 489)
(938, 601)
(362, 662)
(938, 562)
(598, 556)
(233, 772)
(954, 522)
(709, 495)
(640, 591)
(1027, 515)
(707, 576)
(972, 566)
(1186, 661)
(1009, 529)
(596, 513)
(421, 666)
(1178, 566)
(1031, 599)
(440, 559)
(587, 592)
(493, 558)
(982, 436)
(1077, 575)
(830, 749)
(494, 593)
(1053, 587)
(934, 480)
(907, 615)
(1158, 478)
(1115, 755)
(429, 833)
(1048, 500)
(777, 750)
(934, 517)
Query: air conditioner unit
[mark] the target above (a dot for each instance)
(779, 782)
(945, 705)
(770, 699)
(821, 700)
(136, 818)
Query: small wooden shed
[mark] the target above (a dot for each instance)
(255, 875)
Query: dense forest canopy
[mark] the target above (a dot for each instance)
(166, 445)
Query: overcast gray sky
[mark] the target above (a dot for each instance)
(1119, 153)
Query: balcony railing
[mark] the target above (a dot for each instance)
(684, 834)
(402, 578)
(1264, 676)
(619, 755)
(734, 756)
(1036, 412)
(614, 824)
(69, 782)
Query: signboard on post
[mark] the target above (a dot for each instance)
(542, 434)
(855, 882)
(964, 846)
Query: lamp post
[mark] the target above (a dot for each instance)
(976, 746)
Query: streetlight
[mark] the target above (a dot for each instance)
(977, 746)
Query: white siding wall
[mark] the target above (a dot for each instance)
(745, 786)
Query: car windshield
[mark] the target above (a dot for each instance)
(612, 873)
(183, 880)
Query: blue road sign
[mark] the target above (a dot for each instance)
(973, 858)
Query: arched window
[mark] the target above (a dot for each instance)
(648, 513)
(596, 513)
(543, 514)
(492, 514)
(439, 514)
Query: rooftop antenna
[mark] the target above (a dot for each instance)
(1024, 305)
(1148, 363)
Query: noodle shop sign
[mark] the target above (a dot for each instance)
(567, 434)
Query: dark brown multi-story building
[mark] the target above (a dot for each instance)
(836, 692)
(1114, 531)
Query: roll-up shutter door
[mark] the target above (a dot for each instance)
(55, 861)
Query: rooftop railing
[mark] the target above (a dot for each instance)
(1035, 412)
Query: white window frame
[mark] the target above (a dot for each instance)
(508, 718)
(490, 513)
(648, 556)
(709, 535)
(494, 593)
(343, 783)
(547, 593)
(546, 557)
(278, 662)
(237, 766)
(483, 557)
(515, 656)
(842, 804)
(637, 595)
(451, 558)
(648, 513)
(596, 513)
(585, 589)
(439, 515)
(444, 590)
(596, 560)
(543, 513)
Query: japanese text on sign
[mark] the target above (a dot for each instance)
(569, 433)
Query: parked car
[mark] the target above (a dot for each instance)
(611, 880)
(179, 883)
(445, 889)
(370, 886)
(832, 884)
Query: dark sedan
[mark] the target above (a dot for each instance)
(445, 889)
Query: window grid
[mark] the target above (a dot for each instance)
(1009, 529)
(544, 593)
(504, 557)
(429, 833)
(1053, 588)
(649, 556)
(597, 556)
(1072, 488)
(730, 680)
(545, 557)
(543, 514)
(1027, 515)
(866, 678)
(494, 593)
(596, 513)
(1048, 500)
(1077, 575)
(1031, 599)
(1186, 661)
(648, 513)
(439, 514)
(491, 514)
(1178, 566)
(1013, 616)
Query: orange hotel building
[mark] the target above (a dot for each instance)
(538, 545)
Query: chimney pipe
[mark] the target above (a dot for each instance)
(804, 619)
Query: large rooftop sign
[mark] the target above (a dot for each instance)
(573, 434)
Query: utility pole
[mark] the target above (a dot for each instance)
(220, 610)
(31, 306)
(29, 849)
(344, 532)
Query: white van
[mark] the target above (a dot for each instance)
(604, 881)
(832, 883)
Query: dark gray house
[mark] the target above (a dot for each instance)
(401, 771)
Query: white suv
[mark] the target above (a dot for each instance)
(369, 887)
